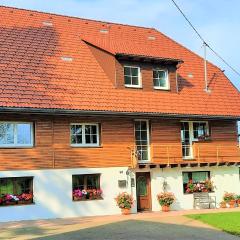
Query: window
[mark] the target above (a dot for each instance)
(86, 187)
(16, 134)
(160, 79)
(84, 134)
(197, 182)
(193, 131)
(200, 129)
(142, 140)
(132, 76)
(16, 191)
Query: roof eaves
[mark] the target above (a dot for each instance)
(150, 57)
(55, 111)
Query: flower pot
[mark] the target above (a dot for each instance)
(232, 204)
(126, 211)
(223, 205)
(165, 208)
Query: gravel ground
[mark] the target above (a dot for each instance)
(142, 230)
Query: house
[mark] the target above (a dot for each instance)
(107, 108)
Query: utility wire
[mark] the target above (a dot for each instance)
(203, 40)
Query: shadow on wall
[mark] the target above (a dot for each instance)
(53, 197)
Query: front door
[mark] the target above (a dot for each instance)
(143, 191)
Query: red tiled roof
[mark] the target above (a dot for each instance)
(33, 75)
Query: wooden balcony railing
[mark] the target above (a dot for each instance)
(173, 154)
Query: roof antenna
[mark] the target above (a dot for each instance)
(205, 45)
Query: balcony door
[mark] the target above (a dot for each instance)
(142, 140)
(186, 136)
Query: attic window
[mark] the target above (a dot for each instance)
(47, 23)
(67, 59)
(103, 31)
(151, 38)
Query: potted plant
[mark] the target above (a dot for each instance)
(191, 187)
(209, 186)
(125, 202)
(166, 199)
(230, 199)
(223, 204)
(238, 200)
(25, 198)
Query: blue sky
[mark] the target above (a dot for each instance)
(217, 20)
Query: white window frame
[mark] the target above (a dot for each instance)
(148, 139)
(191, 137)
(84, 144)
(167, 79)
(15, 144)
(191, 126)
(139, 77)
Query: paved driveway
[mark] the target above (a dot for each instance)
(159, 226)
(142, 230)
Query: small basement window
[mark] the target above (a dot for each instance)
(160, 79)
(16, 191)
(86, 187)
(132, 76)
(84, 134)
(197, 182)
(16, 134)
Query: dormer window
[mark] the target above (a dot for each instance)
(132, 76)
(160, 79)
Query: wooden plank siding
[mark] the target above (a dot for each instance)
(166, 143)
(52, 143)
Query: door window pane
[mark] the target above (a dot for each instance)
(141, 186)
(141, 140)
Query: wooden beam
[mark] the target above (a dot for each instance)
(142, 166)
(204, 164)
(152, 165)
(222, 164)
(212, 164)
(184, 165)
(193, 164)
(163, 165)
(230, 163)
(174, 165)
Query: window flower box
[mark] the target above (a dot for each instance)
(22, 199)
(204, 186)
(87, 194)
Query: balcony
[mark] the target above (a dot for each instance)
(171, 155)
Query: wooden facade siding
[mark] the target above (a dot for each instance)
(52, 143)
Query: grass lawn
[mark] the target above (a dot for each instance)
(228, 222)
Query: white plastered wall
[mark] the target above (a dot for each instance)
(53, 194)
(224, 178)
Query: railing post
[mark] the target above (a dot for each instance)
(198, 153)
(168, 156)
(217, 154)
